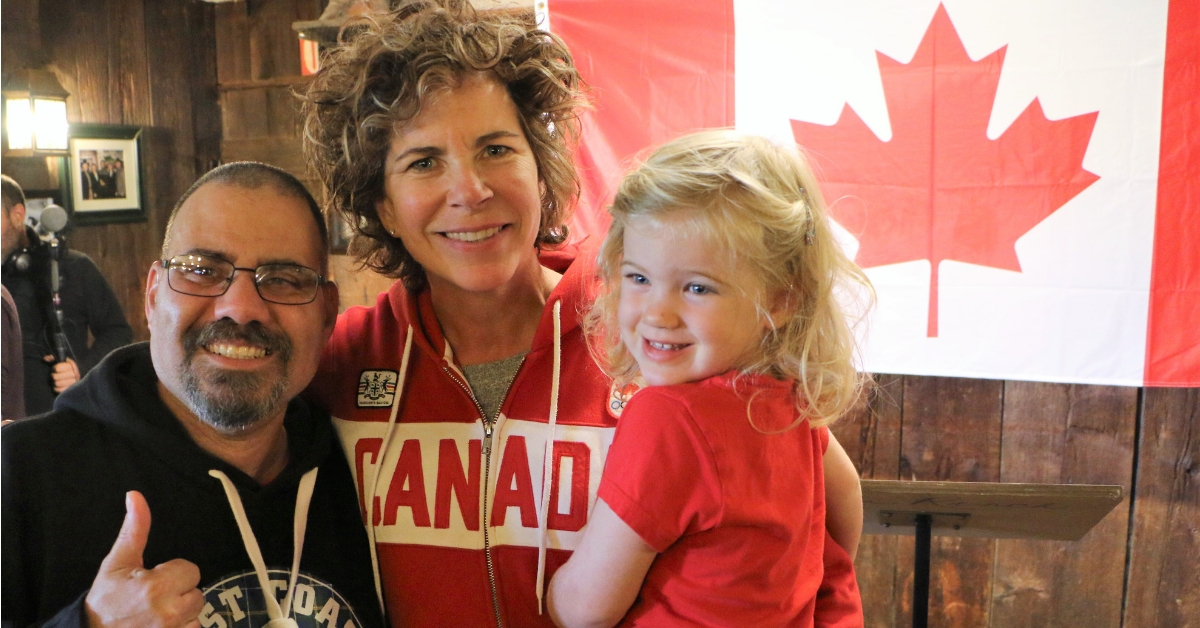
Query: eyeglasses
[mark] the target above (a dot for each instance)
(204, 276)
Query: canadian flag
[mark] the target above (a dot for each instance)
(1020, 180)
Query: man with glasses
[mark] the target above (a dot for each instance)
(255, 515)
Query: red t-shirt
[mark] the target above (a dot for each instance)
(737, 515)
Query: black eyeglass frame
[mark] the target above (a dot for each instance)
(166, 265)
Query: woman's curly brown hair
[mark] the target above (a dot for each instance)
(381, 74)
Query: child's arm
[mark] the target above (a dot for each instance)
(843, 498)
(600, 581)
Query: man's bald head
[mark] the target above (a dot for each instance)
(252, 175)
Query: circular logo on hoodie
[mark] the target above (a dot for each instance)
(238, 602)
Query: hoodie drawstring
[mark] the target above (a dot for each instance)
(278, 616)
(547, 462)
(373, 485)
(548, 459)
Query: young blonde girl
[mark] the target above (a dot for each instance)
(721, 301)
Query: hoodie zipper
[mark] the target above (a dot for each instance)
(489, 428)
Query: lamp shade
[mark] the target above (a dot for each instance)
(35, 113)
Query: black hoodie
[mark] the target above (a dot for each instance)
(65, 475)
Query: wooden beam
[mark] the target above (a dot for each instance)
(1165, 542)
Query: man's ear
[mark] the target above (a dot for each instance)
(151, 300)
(17, 215)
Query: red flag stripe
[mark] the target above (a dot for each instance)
(1173, 333)
(657, 69)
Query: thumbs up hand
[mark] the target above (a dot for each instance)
(125, 593)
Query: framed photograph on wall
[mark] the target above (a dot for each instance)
(105, 168)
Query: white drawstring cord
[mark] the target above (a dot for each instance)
(278, 616)
(299, 524)
(373, 485)
(548, 459)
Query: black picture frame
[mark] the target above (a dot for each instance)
(113, 190)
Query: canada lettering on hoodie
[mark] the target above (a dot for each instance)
(456, 503)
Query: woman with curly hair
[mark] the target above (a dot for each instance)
(474, 417)
(466, 399)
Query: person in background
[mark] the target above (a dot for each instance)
(182, 483)
(93, 173)
(474, 417)
(106, 186)
(86, 182)
(720, 275)
(88, 306)
(119, 178)
(12, 379)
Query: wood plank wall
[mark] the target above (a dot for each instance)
(132, 62)
(1140, 567)
(258, 69)
(258, 65)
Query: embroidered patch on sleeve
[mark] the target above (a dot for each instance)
(377, 389)
(618, 397)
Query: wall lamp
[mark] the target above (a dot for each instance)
(35, 114)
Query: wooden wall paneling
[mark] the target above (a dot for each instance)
(125, 261)
(870, 433)
(283, 152)
(1066, 434)
(259, 67)
(233, 31)
(1165, 540)
(20, 36)
(205, 97)
(275, 46)
(132, 80)
(231, 115)
(951, 431)
(283, 107)
(871, 436)
(246, 114)
(141, 242)
(260, 44)
(78, 42)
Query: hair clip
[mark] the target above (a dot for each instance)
(810, 234)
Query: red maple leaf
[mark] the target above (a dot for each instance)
(940, 189)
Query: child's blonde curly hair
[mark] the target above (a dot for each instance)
(759, 202)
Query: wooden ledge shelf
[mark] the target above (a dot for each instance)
(1063, 512)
